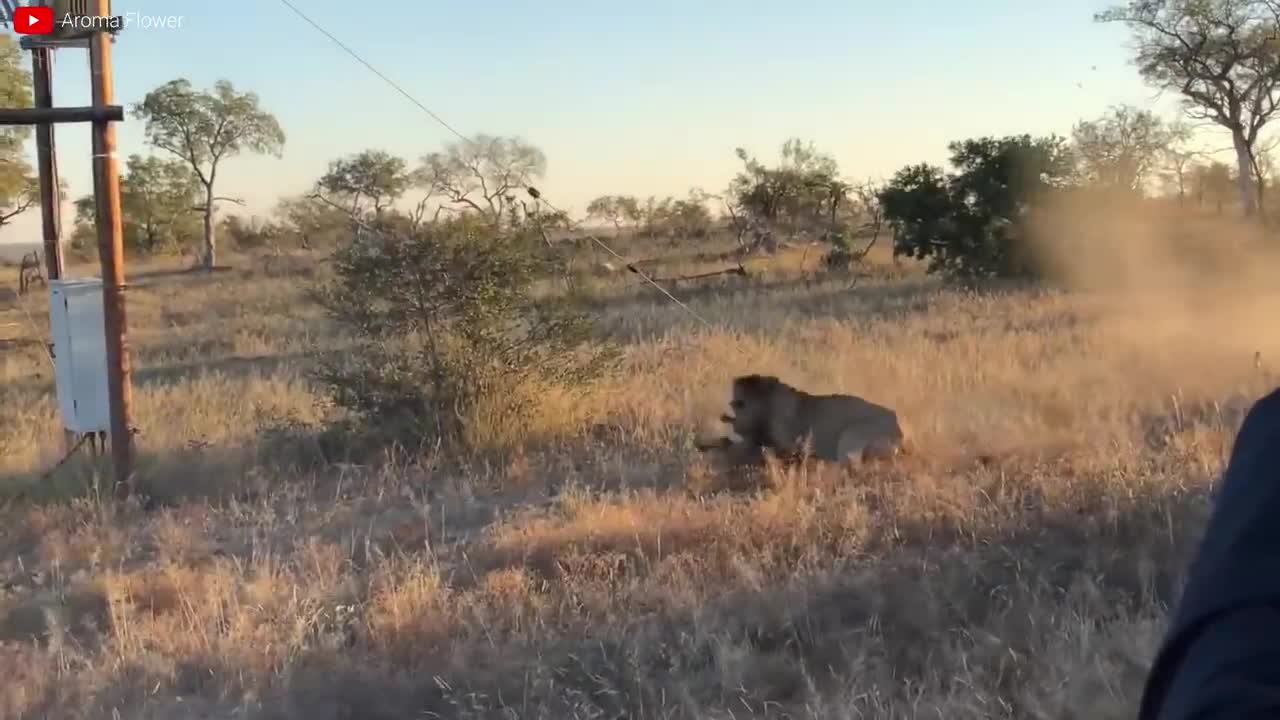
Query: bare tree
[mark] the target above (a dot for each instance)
(1222, 56)
(867, 218)
(486, 174)
(870, 211)
(1263, 165)
(1179, 159)
(1120, 150)
(19, 193)
(734, 218)
(1211, 181)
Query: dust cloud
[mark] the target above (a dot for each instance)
(1188, 294)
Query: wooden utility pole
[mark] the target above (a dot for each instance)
(106, 182)
(106, 190)
(47, 163)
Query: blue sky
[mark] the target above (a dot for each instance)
(644, 98)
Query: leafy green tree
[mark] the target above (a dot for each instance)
(251, 233)
(205, 128)
(672, 217)
(159, 200)
(375, 177)
(689, 217)
(803, 193)
(629, 207)
(312, 223)
(967, 223)
(1221, 56)
(655, 215)
(18, 187)
(616, 210)
(604, 208)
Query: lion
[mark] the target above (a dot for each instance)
(769, 413)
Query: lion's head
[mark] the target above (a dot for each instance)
(752, 406)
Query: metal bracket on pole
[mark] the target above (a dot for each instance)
(31, 42)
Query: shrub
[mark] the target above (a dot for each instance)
(444, 320)
(968, 224)
(250, 235)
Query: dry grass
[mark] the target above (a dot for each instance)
(607, 571)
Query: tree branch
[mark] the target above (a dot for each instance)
(237, 201)
(21, 207)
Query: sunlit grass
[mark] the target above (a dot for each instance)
(1019, 565)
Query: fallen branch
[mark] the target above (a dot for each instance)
(739, 270)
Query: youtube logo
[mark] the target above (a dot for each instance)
(33, 20)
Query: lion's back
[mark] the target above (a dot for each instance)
(841, 424)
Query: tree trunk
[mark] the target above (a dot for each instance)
(210, 243)
(1244, 174)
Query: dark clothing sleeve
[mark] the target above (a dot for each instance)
(1221, 657)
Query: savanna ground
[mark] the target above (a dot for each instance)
(606, 569)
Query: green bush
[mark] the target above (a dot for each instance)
(444, 321)
(968, 224)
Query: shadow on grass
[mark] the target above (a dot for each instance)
(41, 382)
(1073, 593)
(922, 611)
(232, 366)
(161, 478)
(617, 626)
(634, 318)
(20, 344)
(641, 295)
(870, 301)
(195, 276)
(281, 455)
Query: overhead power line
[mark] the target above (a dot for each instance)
(533, 192)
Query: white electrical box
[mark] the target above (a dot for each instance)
(79, 335)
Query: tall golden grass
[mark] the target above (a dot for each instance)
(605, 569)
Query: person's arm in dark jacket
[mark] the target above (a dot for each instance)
(1221, 657)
